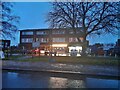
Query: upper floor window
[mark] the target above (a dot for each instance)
(27, 40)
(77, 31)
(43, 40)
(27, 33)
(81, 38)
(58, 39)
(41, 33)
(73, 39)
(58, 32)
(71, 32)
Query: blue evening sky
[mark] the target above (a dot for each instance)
(33, 14)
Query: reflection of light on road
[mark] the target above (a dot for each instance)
(12, 75)
(76, 84)
(58, 65)
(56, 82)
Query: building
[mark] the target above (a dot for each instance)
(60, 40)
(4, 44)
(117, 48)
(4, 47)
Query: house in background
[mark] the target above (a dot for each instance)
(117, 48)
(59, 40)
(4, 44)
(4, 48)
(106, 49)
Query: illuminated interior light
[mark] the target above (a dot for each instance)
(59, 45)
(42, 51)
(78, 48)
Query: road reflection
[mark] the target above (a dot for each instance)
(25, 79)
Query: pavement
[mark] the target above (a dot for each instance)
(62, 68)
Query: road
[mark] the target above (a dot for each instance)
(28, 79)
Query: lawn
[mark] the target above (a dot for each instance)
(13, 57)
(90, 60)
(111, 61)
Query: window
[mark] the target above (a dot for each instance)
(71, 32)
(37, 39)
(58, 32)
(73, 39)
(43, 40)
(41, 33)
(1, 44)
(81, 39)
(27, 40)
(27, 33)
(59, 48)
(58, 39)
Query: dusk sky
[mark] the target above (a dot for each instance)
(32, 15)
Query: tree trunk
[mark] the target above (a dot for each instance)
(84, 46)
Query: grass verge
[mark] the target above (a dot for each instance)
(110, 61)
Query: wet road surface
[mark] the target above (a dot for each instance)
(26, 79)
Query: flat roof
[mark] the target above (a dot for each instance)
(32, 29)
(47, 29)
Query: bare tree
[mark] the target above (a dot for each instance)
(8, 21)
(94, 17)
